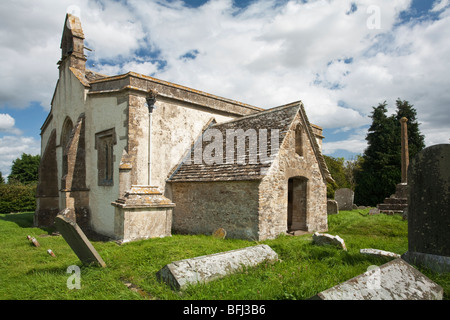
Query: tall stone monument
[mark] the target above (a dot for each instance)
(405, 151)
(397, 203)
(428, 209)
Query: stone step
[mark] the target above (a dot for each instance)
(392, 206)
(391, 212)
(396, 200)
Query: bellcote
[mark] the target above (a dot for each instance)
(72, 44)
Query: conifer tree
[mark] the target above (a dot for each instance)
(375, 179)
(380, 168)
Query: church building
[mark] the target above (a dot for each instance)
(133, 157)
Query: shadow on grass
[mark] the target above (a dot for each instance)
(23, 220)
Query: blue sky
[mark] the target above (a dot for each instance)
(340, 57)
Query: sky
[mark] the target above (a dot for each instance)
(341, 58)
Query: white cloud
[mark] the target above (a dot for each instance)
(12, 147)
(354, 145)
(440, 5)
(6, 121)
(267, 54)
(7, 124)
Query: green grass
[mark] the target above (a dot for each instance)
(28, 272)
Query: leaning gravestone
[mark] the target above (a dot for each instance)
(395, 280)
(179, 274)
(428, 209)
(344, 198)
(78, 241)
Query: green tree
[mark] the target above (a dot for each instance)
(380, 168)
(336, 166)
(351, 167)
(377, 176)
(2, 180)
(25, 169)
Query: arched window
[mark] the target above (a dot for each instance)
(65, 137)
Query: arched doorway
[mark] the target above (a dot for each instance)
(297, 204)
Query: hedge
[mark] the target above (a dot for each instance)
(17, 198)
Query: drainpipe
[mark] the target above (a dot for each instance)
(151, 99)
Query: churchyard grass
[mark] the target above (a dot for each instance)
(29, 272)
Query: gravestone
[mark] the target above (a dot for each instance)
(395, 280)
(78, 241)
(344, 198)
(179, 274)
(327, 239)
(379, 253)
(332, 207)
(428, 209)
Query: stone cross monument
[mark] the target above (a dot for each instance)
(397, 203)
(405, 152)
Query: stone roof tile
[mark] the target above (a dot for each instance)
(279, 118)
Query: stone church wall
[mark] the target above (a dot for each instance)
(273, 190)
(203, 207)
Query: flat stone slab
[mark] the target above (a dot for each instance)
(179, 274)
(395, 280)
(379, 253)
(78, 241)
(328, 239)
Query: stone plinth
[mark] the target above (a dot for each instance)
(142, 213)
(396, 203)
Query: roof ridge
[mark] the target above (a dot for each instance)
(319, 156)
(257, 114)
(178, 86)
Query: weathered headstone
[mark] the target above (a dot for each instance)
(328, 239)
(179, 274)
(428, 209)
(395, 280)
(332, 207)
(344, 198)
(78, 241)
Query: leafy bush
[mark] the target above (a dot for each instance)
(17, 198)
